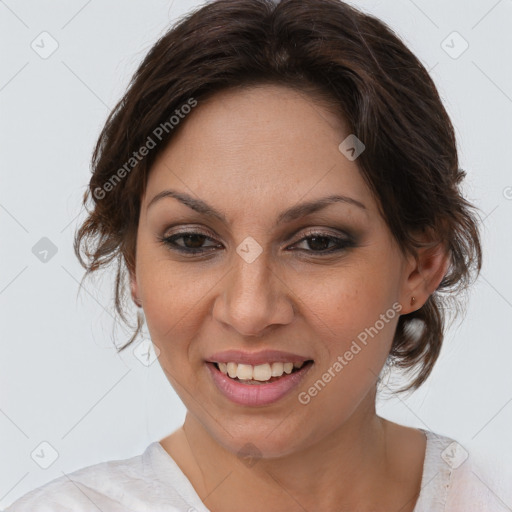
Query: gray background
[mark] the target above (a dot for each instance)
(62, 382)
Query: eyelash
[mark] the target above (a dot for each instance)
(341, 243)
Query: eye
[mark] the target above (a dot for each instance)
(318, 243)
(192, 242)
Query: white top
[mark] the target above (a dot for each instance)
(154, 482)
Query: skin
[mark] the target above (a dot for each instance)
(251, 154)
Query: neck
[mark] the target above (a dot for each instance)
(345, 470)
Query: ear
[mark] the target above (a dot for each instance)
(134, 289)
(424, 274)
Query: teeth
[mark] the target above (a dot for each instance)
(277, 369)
(244, 371)
(261, 372)
(231, 368)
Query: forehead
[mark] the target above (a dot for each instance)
(258, 146)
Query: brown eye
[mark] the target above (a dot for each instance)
(320, 243)
(192, 242)
(316, 243)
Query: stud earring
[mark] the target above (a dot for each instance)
(413, 300)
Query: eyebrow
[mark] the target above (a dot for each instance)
(295, 212)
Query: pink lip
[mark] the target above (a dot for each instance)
(256, 394)
(255, 358)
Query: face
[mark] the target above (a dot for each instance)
(324, 285)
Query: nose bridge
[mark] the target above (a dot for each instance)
(252, 298)
(251, 280)
(251, 283)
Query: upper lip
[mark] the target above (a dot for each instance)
(256, 358)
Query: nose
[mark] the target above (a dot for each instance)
(253, 298)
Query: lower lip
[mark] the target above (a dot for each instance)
(256, 394)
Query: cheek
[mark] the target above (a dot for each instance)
(175, 302)
(353, 325)
(351, 316)
(347, 299)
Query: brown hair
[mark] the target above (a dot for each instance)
(355, 64)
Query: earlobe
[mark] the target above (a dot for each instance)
(134, 290)
(429, 269)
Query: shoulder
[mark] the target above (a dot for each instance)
(461, 478)
(113, 486)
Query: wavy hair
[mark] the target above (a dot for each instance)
(361, 70)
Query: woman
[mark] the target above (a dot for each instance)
(281, 183)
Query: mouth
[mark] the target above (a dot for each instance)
(260, 374)
(260, 385)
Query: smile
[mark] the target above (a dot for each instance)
(260, 373)
(258, 385)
